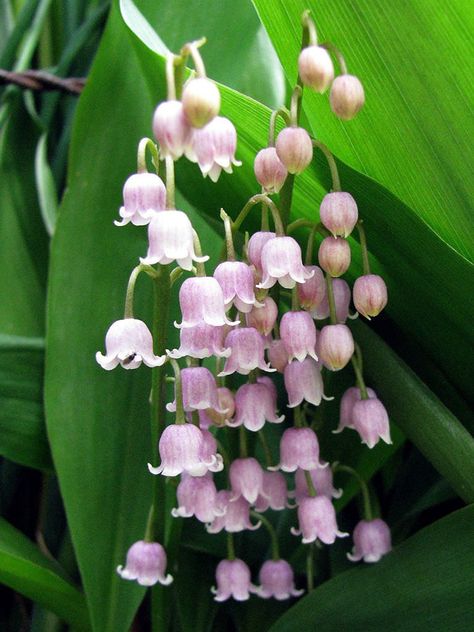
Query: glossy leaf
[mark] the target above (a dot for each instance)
(428, 578)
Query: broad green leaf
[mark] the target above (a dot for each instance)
(418, 115)
(25, 569)
(22, 428)
(426, 581)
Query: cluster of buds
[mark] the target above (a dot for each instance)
(236, 323)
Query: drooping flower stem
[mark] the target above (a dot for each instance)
(130, 294)
(242, 442)
(256, 199)
(180, 417)
(283, 112)
(230, 546)
(143, 145)
(200, 267)
(170, 82)
(228, 235)
(271, 531)
(368, 514)
(357, 366)
(310, 568)
(309, 483)
(309, 29)
(294, 105)
(331, 301)
(265, 447)
(336, 181)
(294, 299)
(170, 198)
(331, 48)
(192, 48)
(363, 245)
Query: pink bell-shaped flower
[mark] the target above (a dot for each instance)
(278, 355)
(277, 580)
(171, 237)
(202, 301)
(315, 68)
(335, 346)
(370, 419)
(281, 261)
(317, 520)
(334, 255)
(372, 540)
(210, 459)
(299, 448)
(348, 399)
(342, 299)
(146, 563)
(144, 195)
(197, 496)
(322, 478)
(247, 352)
(294, 148)
(171, 129)
(199, 390)
(233, 580)
(254, 405)
(263, 316)
(313, 291)
(201, 341)
(211, 416)
(298, 332)
(201, 101)
(236, 281)
(213, 148)
(128, 342)
(236, 515)
(274, 493)
(338, 213)
(370, 295)
(346, 97)
(303, 381)
(246, 479)
(255, 246)
(269, 170)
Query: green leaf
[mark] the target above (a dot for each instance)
(419, 116)
(25, 569)
(22, 428)
(426, 581)
(47, 194)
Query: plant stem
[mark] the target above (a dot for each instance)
(143, 145)
(228, 236)
(192, 48)
(178, 390)
(359, 379)
(170, 85)
(310, 27)
(169, 162)
(242, 442)
(200, 267)
(363, 245)
(329, 46)
(265, 447)
(331, 301)
(363, 488)
(283, 112)
(310, 568)
(309, 483)
(230, 546)
(336, 181)
(273, 536)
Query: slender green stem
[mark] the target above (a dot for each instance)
(309, 246)
(195, 418)
(271, 531)
(336, 181)
(200, 267)
(295, 304)
(256, 199)
(331, 301)
(310, 26)
(329, 46)
(169, 162)
(230, 546)
(283, 112)
(295, 105)
(310, 568)
(359, 356)
(192, 48)
(242, 442)
(228, 235)
(359, 379)
(170, 85)
(368, 515)
(299, 223)
(363, 245)
(128, 310)
(178, 390)
(264, 225)
(309, 483)
(176, 273)
(265, 447)
(297, 417)
(286, 197)
(143, 145)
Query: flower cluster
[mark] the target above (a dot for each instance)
(237, 331)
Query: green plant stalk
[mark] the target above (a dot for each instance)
(310, 568)
(309, 483)
(359, 378)
(273, 536)
(331, 301)
(368, 514)
(363, 245)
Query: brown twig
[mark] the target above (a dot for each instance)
(41, 81)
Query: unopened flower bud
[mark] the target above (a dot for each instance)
(294, 148)
(372, 540)
(370, 419)
(269, 170)
(369, 295)
(346, 97)
(278, 355)
(263, 317)
(201, 101)
(338, 213)
(335, 346)
(312, 292)
(315, 68)
(334, 255)
(171, 129)
(303, 381)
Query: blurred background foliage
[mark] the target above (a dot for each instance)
(74, 492)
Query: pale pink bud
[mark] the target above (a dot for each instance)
(299, 447)
(128, 342)
(281, 261)
(201, 101)
(209, 417)
(236, 515)
(197, 496)
(369, 295)
(312, 292)
(263, 316)
(349, 398)
(298, 333)
(170, 237)
(334, 255)
(277, 580)
(317, 520)
(370, 420)
(315, 68)
(236, 281)
(171, 129)
(233, 580)
(255, 246)
(146, 563)
(335, 346)
(201, 300)
(342, 299)
(303, 381)
(277, 355)
(213, 148)
(274, 493)
(144, 194)
(199, 390)
(255, 404)
(338, 213)
(372, 540)
(346, 97)
(294, 148)
(269, 170)
(201, 341)
(246, 479)
(247, 352)
(322, 478)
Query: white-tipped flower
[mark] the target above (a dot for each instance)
(197, 496)
(171, 129)
(213, 148)
(144, 195)
(201, 341)
(298, 333)
(246, 479)
(348, 399)
(294, 148)
(277, 580)
(315, 68)
(236, 281)
(303, 381)
(202, 301)
(247, 352)
(201, 101)
(317, 520)
(281, 261)
(255, 246)
(254, 405)
(269, 170)
(233, 580)
(146, 563)
(346, 97)
(372, 540)
(299, 448)
(322, 478)
(199, 390)
(235, 515)
(370, 419)
(128, 342)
